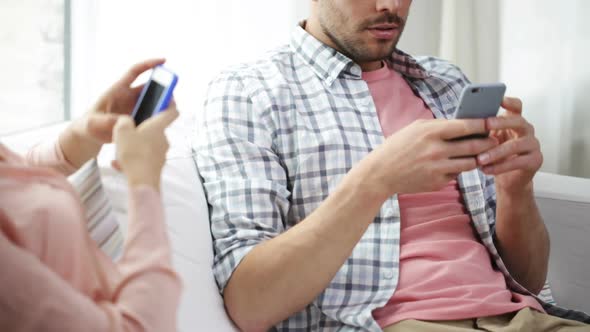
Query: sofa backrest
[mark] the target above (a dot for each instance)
(565, 206)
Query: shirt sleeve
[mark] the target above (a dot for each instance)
(148, 295)
(144, 296)
(489, 192)
(243, 178)
(49, 155)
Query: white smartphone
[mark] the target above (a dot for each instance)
(155, 95)
(480, 101)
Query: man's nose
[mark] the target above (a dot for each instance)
(391, 6)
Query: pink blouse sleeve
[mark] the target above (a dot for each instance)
(39, 299)
(144, 289)
(149, 292)
(49, 155)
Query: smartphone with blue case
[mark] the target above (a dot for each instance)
(155, 95)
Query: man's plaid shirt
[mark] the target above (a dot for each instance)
(277, 137)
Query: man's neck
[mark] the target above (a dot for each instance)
(314, 28)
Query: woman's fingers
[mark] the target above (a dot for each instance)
(138, 69)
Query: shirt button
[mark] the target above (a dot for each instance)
(388, 274)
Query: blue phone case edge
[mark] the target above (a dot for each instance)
(165, 101)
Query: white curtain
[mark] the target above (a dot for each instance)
(545, 60)
(464, 32)
(198, 38)
(421, 35)
(469, 37)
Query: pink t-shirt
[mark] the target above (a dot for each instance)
(445, 272)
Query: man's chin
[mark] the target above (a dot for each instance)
(382, 51)
(378, 56)
(372, 52)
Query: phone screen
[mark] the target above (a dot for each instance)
(149, 102)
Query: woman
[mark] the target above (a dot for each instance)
(53, 276)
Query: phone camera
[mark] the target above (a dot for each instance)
(475, 90)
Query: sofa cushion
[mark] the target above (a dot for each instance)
(564, 203)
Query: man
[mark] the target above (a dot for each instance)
(340, 200)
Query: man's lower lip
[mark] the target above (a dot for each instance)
(383, 34)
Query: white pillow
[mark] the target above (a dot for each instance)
(187, 217)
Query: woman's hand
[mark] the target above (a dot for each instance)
(82, 140)
(141, 151)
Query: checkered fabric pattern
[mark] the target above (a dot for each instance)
(278, 137)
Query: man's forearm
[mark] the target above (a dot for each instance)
(282, 276)
(522, 239)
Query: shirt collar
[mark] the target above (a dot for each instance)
(329, 64)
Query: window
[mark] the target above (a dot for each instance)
(34, 64)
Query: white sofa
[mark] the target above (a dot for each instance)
(564, 203)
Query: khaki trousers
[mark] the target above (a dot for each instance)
(523, 320)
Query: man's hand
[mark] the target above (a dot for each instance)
(424, 156)
(521, 236)
(518, 157)
(83, 139)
